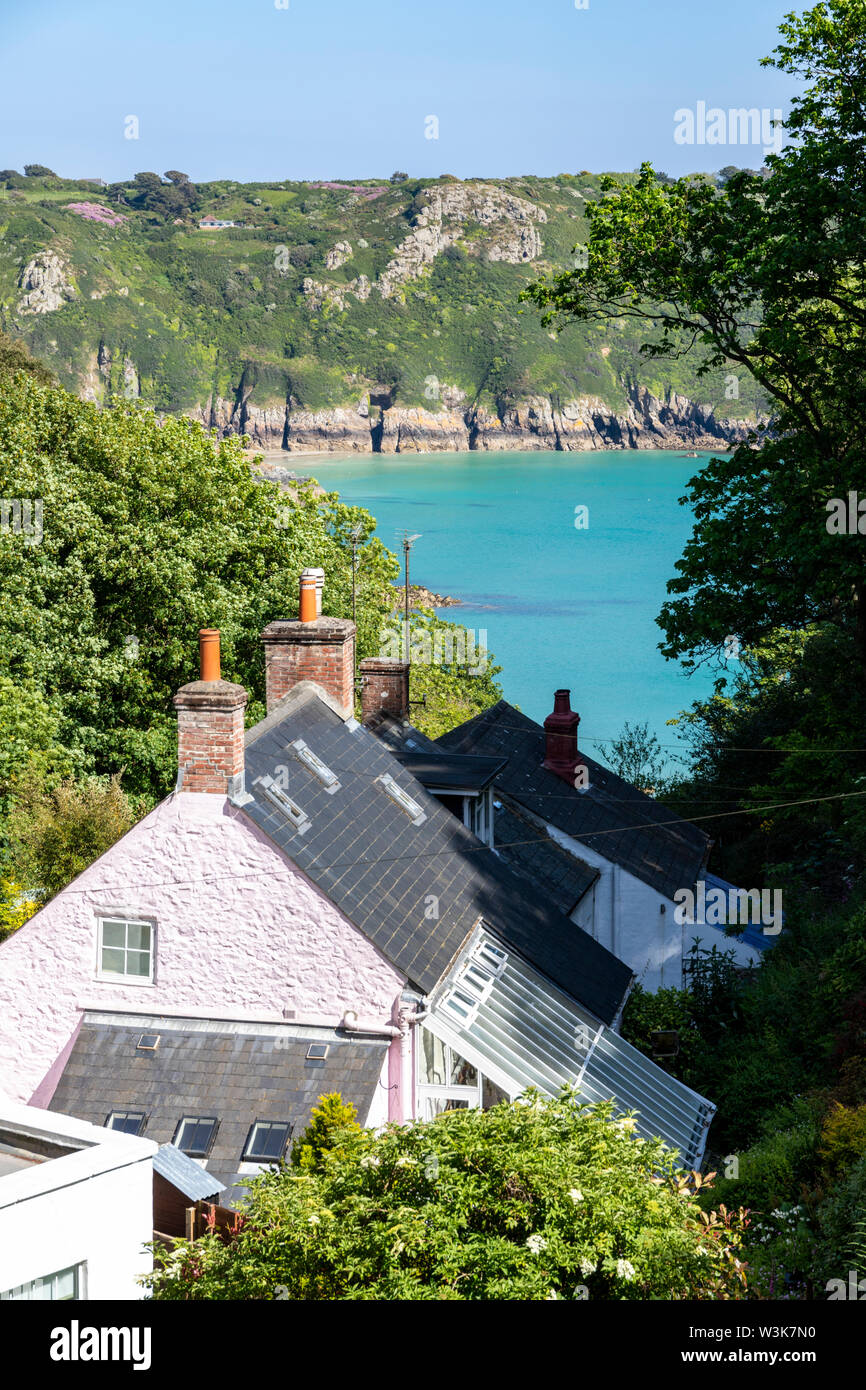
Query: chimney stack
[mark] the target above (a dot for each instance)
(210, 727)
(560, 738)
(312, 648)
(384, 688)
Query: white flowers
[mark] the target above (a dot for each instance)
(404, 1161)
(370, 1161)
(624, 1126)
(624, 1270)
(586, 1267)
(313, 1220)
(576, 1195)
(536, 1243)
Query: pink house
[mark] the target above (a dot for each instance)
(301, 915)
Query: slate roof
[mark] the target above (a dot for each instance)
(452, 773)
(384, 871)
(611, 817)
(529, 850)
(238, 1072)
(185, 1174)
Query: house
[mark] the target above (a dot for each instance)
(303, 915)
(617, 862)
(212, 224)
(76, 1207)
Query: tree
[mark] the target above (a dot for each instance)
(534, 1200)
(54, 836)
(398, 177)
(767, 276)
(636, 756)
(39, 171)
(15, 356)
(331, 1119)
(175, 176)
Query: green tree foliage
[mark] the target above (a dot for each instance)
(39, 171)
(766, 275)
(15, 356)
(539, 1199)
(55, 835)
(152, 530)
(453, 676)
(331, 1119)
(636, 755)
(173, 199)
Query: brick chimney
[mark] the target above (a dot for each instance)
(210, 727)
(313, 648)
(560, 738)
(384, 687)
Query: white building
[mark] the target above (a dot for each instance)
(76, 1207)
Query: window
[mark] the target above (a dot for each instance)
(126, 950)
(446, 1081)
(195, 1135)
(317, 1052)
(127, 1121)
(66, 1284)
(475, 981)
(148, 1042)
(413, 809)
(266, 1141)
(293, 813)
(315, 765)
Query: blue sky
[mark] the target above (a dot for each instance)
(334, 89)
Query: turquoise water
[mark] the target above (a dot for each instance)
(560, 606)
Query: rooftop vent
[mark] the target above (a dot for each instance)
(293, 813)
(305, 755)
(413, 810)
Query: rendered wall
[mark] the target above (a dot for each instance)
(240, 932)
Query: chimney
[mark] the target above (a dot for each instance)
(311, 649)
(560, 738)
(210, 727)
(384, 688)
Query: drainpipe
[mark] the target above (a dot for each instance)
(406, 1018)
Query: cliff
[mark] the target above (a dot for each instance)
(577, 425)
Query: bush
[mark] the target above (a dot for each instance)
(537, 1199)
(331, 1120)
(843, 1138)
(55, 835)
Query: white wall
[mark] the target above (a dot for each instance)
(625, 914)
(94, 1206)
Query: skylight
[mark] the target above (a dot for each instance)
(266, 1141)
(283, 802)
(195, 1135)
(127, 1121)
(317, 1052)
(148, 1042)
(305, 755)
(413, 810)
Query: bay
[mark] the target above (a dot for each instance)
(558, 606)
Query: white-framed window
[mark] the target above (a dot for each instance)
(195, 1134)
(126, 1121)
(474, 982)
(446, 1081)
(66, 1284)
(125, 950)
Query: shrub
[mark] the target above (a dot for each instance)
(331, 1120)
(535, 1199)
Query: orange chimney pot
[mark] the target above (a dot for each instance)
(209, 653)
(308, 608)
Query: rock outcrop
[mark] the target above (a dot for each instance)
(46, 284)
(453, 426)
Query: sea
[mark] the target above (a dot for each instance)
(560, 562)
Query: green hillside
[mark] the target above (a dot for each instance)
(158, 307)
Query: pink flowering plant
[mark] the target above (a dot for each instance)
(95, 212)
(538, 1199)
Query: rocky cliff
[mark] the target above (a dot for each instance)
(535, 423)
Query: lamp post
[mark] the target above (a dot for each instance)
(408, 542)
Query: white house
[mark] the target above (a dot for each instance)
(76, 1207)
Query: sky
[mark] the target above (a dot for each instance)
(298, 89)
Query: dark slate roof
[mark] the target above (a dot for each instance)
(611, 817)
(236, 1071)
(185, 1174)
(451, 773)
(388, 875)
(528, 849)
